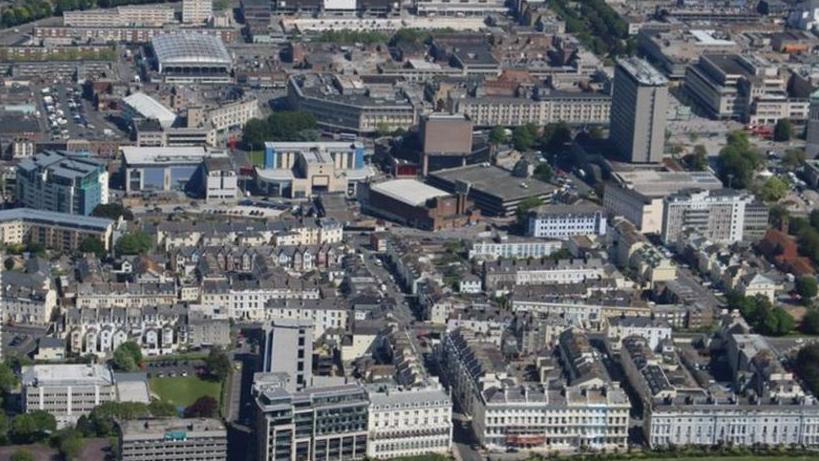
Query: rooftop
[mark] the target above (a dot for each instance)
(66, 375)
(408, 191)
(149, 108)
(190, 48)
(642, 71)
(162, 429)
(55, 218)
(164, 155)
(495, 181)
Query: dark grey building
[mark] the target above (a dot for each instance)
(638, 111)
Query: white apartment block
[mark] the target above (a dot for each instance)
(460, 9)
(572, 108)
(122, 16)
(66, 391)
(247, 303)
(565, 221)
(197, 11)
(513, 249)
(653, 330)
(99, 295)
(409, 422)
(233, 114)
(326, 231)
(717, 215)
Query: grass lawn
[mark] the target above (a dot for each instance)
(184, 390)
(256, 157)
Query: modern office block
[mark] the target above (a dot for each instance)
(289, 349)
(173, 439)
(62, 181)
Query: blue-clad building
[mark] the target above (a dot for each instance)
(66, 182)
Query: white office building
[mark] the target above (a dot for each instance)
(66, 391)
(565, 221)
(289, 349)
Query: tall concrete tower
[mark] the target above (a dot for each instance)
(638, 111)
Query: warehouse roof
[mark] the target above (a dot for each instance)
(408, 191)
(150, 108)
(190, 48)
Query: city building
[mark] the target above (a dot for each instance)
(157, 169)
(445, 136)
(683, 406)
(742, 88)
(495, 191)
(121, 16)
(59, 231)
(189, 57)
(66, 391)
(638, 195)
(551, 416)
(722, 216)
(172, 439)
(62, 182)
(140, 106)
(507, 247)
(197, 11)
(638, 111)
(220, 181)
(416, 204)
(654, 331)
(673, 50)
(345, 103)
(305, 169)
(317, 423)
(467, 8)
(408, 422)
(551, 106)
(289, 349)
(564, 221)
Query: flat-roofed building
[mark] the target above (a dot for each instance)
(189, 57)
(59, 231)
(564, 221)
(550, 106)
(173, 439)
(638, 114)
(63, 182)
(121, 16)
(718, 215)
(416, 204)
(66, 391)
(161, 168)
(140, 106)
(637, 195)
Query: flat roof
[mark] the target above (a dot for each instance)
(495, 181)
(643, 72)
(164, 155)
(162, 429)
(409, 191)
(55, 218)
(66, 374)
(653, 183)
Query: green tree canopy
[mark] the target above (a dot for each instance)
(783, 130)
(92, 245)
(278, 126)
(806, 287)
(544, 172)
(555, 136)
(134, 243)
(738, 161)
(524, 137)
(498, 136)
(127, 357)
(217, 363)
(32, 427)
(112, 211)
(204, 407)
(774, 189)
(810, 322)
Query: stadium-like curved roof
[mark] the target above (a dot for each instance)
(190, 48)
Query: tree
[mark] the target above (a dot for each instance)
(32, 427)
(4, 428)
(160, 409)
(807, 366)
(92, 245)
(498, 135)
(112, 211)
(794, 158)
(596, 132)
(204, 407)
(127, 357)
(221, 5)
(69, 442)
(217, 363)
(555, 136)
(783, 130)
(698, 161)
(278, 126)
(134, 243)
(524, 136)
(776, 322)
(778, 215)
(523, 208)
(774, 189)
(22, 455)
(543, 172)
(8, 380)
(806, 287)
(9, 264)
(738, 161)
(810, 322)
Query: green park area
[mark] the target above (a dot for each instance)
(184, 390)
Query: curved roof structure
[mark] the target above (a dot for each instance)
(192, 49)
